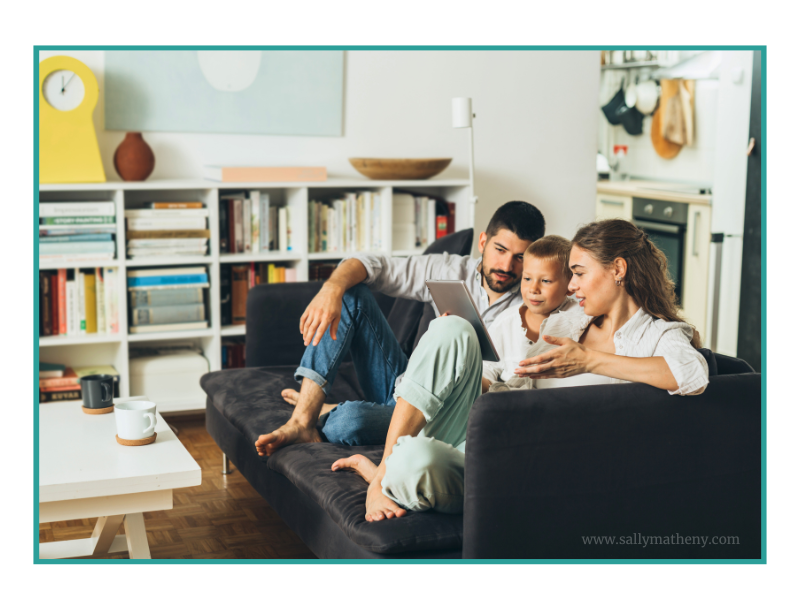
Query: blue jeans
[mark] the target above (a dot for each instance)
(378, 359)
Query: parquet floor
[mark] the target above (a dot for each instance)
(224, 517)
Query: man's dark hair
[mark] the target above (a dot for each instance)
(521, 218)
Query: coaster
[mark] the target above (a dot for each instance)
(98, 411)
(142, 442)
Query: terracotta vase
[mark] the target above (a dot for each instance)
(134, 159)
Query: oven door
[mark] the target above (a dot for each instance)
(670, 239)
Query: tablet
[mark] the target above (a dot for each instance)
(453, 297)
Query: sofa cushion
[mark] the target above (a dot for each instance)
(250, 400)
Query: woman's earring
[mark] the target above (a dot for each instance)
(619, 282)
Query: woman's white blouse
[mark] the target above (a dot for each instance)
(641, 337)
(509, 336)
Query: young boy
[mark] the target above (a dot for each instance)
(544, 288)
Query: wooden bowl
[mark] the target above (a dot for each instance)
(400, 168)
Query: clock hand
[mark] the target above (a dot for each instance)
(62, 84)
(66, 84)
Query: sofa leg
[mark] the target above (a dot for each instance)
(226, 464)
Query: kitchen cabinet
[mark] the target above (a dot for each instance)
(610, 206)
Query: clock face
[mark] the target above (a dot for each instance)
(63, 90)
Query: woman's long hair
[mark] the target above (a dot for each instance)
(647, 280)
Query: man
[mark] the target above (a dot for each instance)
(344, 316)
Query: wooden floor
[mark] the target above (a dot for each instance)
(224, 517)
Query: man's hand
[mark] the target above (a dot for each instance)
(324, 311)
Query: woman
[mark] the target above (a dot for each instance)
(630, 332)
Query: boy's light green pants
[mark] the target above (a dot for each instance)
(442, 381)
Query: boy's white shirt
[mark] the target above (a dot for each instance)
(509, 335)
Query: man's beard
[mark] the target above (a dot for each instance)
(499, 287)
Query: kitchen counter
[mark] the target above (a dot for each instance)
(655, 190)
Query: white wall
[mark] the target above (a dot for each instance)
(535, 131)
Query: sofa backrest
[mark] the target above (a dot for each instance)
(406, 316)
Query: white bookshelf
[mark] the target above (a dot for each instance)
(89, 349)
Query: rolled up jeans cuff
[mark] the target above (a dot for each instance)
(302, 372)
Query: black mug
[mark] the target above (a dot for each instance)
(97, 391)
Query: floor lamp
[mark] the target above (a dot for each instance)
(462, 119)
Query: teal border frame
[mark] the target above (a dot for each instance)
(762, 560)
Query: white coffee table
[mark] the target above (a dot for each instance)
(85, 473)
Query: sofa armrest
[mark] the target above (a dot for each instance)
(544, 468)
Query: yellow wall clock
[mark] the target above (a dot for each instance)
(68, 150)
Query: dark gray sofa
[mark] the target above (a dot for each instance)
(545, 469)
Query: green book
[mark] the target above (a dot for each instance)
(90, 220)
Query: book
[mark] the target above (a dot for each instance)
(226, 317)
(255, 221)
(451, 217)
(441, 226)
(72, 375)
(166, 280)
(80, 284)
(199, 243)
(85, 237)
(223, 227)
(179, 313)
(239, 287)
(168, 327)
(44, 306)
(71, 303)
(283, 237)
(291, 275)
(273, 233)
(264, 228)
(56, 230)
(61, 248)
(140, 298)
(90, 302)
(167, 271)
(47, 370)
(54, 302)
(62, 302)
(431, 221)
(100, 295)
(158, 224)
(50, 396)
(175, 205)
(247, 226)
(238, 227)
(76, 209)
(269, 174)
(168, 234)
(151, 213)
(71, 221)
(111, 301)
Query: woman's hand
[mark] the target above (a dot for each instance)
(570, 358)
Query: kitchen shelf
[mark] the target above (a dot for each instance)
(632, 65)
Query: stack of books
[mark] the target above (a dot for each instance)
(233, 354)
(248, 224)
(419, 220)
(236, 280)
(78, 301)
(168, 228)
(348, 224)
(321, 271)
(59, 382)
(76, 231)
(167, 299)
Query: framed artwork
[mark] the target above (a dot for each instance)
(273, 92)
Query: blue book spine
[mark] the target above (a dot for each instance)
(76, 248)
(167, 280)
(89, 237)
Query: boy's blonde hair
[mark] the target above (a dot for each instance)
(554, 248)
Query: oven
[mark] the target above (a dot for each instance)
(665, 222)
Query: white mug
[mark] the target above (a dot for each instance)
(136, 418)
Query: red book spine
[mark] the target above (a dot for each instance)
(54, 303)
(62, 302)
(441, 226)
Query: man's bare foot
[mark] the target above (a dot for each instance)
(292, 396)
(291, 433)
(379, 507)
(358, 463)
